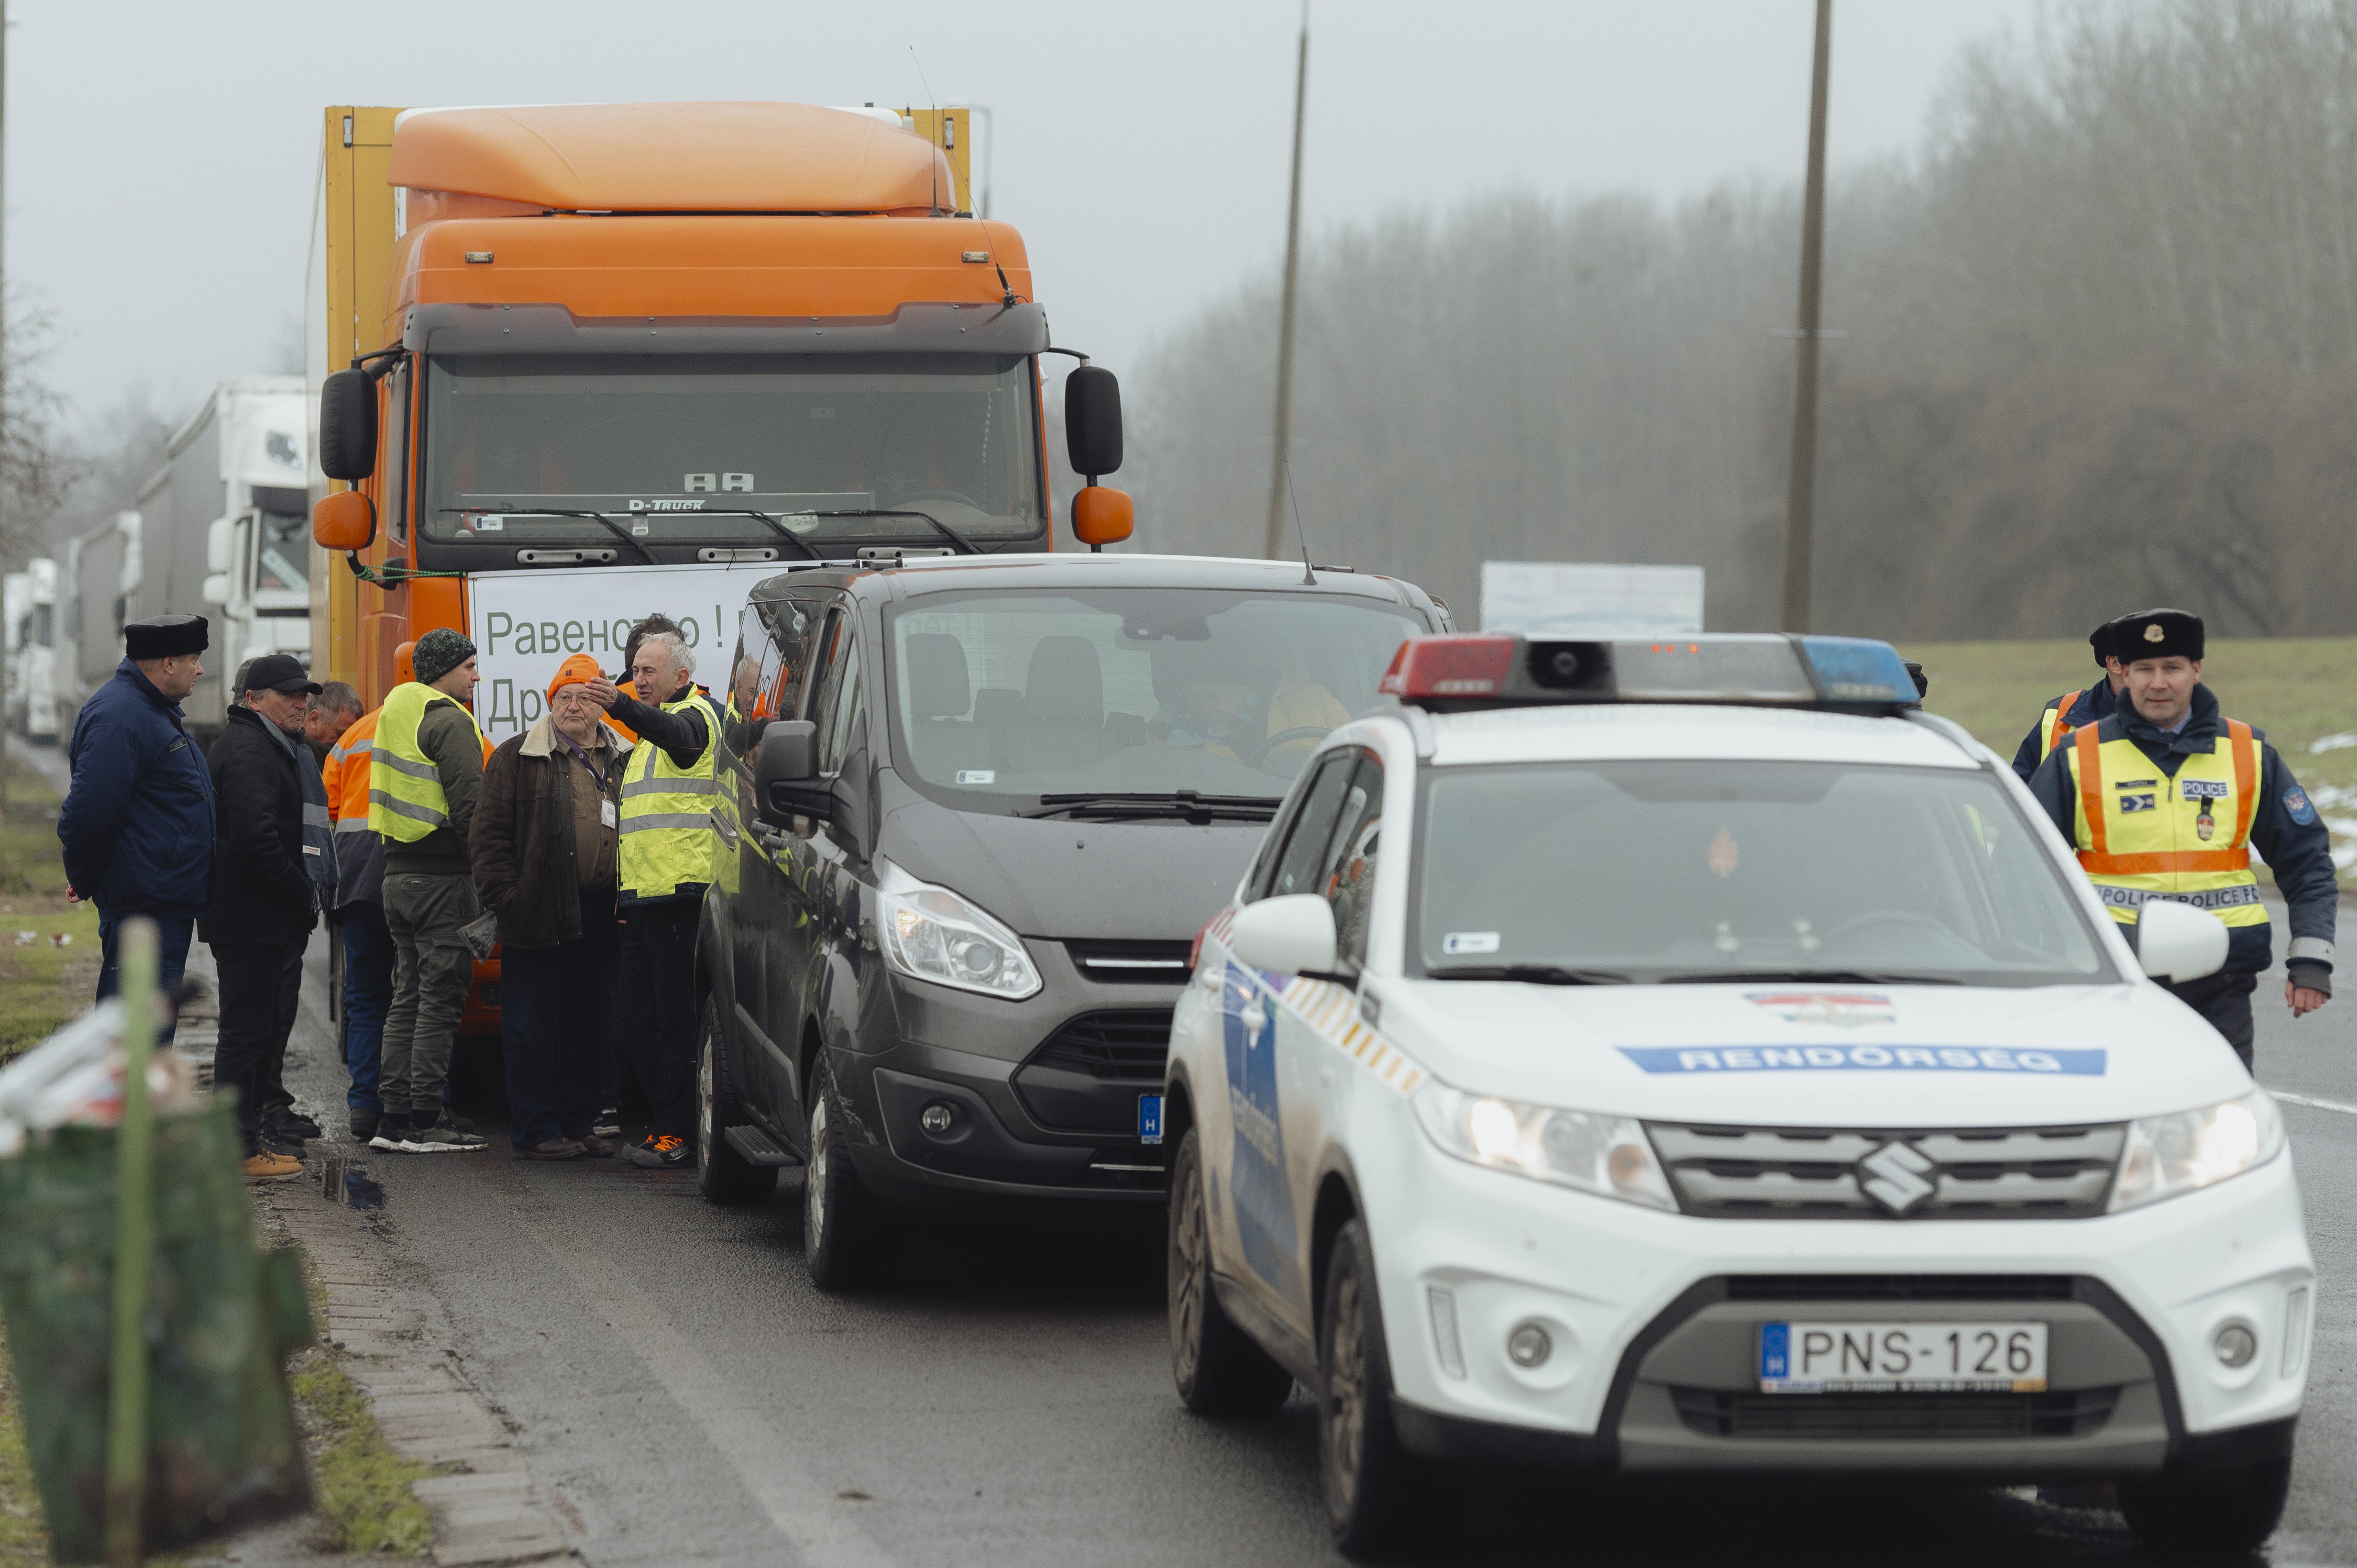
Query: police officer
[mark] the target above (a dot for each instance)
(137, 823)
(2073, 710)
(667, 846)
(2166, 797)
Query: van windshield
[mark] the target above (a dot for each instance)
(1701, 871)
(676, 448)
(1003, 699)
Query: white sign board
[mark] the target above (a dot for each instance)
(1544, 598)
(526, 624)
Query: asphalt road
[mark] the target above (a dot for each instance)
(685, 1395)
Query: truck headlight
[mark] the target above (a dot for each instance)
(1606, 1156)
(2167, 1156)
(931, 933)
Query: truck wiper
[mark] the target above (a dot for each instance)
(1189, 803)
(1534, 973)
(600, 518)
(951, 534)
(1837, 976)
(780, 529)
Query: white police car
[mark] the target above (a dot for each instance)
(1692, 1057)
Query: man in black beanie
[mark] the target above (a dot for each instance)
(137, 823)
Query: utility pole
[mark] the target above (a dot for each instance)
(1801, 506)
(6, 476)
(1282, 457)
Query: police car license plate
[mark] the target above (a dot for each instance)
(1902, 1357)
(1149, 1117)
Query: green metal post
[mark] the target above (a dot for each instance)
(126, 1429)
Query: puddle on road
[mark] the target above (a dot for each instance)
(346, 1181)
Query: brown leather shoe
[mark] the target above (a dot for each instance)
(596, 1147)
(553, 1149)
(269, 1165)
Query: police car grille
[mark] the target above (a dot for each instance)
(1787, 1173)
(1899, 1417)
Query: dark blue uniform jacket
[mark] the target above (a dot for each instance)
(2285, 828)
(138, 824)
(2096, 703)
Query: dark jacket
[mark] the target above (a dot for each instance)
(263, 892)
(2095, 701)
(2285, 830)
(525, 870)
(137, 823)
(449, 736)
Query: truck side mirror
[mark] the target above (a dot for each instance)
(1093, 422)
(785, 773)
(347, 425)
(1102, 515)
(217, 549)
(345, 521)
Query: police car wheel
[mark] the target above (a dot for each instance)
(2223, 1514)
(724, 1176)
(1368, 1479)
(1219, 1370)
(845, 1242)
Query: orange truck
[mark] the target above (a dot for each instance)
(580, 363)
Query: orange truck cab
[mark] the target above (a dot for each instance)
(584, 363)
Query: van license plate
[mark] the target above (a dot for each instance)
(1902, 1357)
(1149, 1117)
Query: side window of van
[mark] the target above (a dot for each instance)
(834, 705)
(773, 648)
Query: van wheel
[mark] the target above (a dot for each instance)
(1368, 1479)
(846, 1237)
(1219, 1370)
(725, 1175)
(2223, 1514)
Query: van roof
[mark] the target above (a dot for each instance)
(1069, 569)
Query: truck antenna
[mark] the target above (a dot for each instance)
(933, 174)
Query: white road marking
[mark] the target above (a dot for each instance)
(2319, 1104)
(817, 1525)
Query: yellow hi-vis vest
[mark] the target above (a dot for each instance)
(2054, 724)
(668, 840)
(2144, 836)
(405, 798)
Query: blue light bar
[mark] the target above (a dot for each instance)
(1859, 669)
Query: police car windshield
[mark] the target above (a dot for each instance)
(1686, 870)
(679, 449)
(1095, 698)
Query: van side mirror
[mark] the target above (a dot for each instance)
(347, 425)
(1093, 422)
(345, 521)
(2179, 942)
(1102, 515)
(785, 773)
(1292, 935)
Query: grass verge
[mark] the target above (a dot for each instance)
(48, 948)
(360, 1485)
(24, 1542)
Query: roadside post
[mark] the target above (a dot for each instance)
(135, 1213)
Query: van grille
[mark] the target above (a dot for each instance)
(1791, 1173)
(1088, 1075)
(1894, 1417)
(1132, 962)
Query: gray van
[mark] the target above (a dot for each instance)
(972, 811)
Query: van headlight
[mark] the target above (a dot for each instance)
(1608, 1156)
(2167, 1156)
(931, 933)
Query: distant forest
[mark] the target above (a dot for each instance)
(2100, 352)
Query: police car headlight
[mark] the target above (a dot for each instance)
(2167, 1156)
(931, 933)
(1608, 1156)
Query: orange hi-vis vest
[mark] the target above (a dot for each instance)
(2144, 836)
(346, 774)
(2055, 723)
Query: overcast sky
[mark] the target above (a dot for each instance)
(161, 153)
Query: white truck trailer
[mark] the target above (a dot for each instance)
(32, 617)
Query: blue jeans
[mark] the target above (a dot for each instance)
(172, 935)
(367, 996)
(552, 1025)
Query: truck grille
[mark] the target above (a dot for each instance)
(1894, 1417)
(1789, 1172)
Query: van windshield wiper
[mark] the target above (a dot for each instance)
(1192, 804)
(1532, 973)
(1838, 976)
(951, 534)
(600, 518)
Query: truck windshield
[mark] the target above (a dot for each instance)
(669, 448)
(1010, 700)
(1741, 871)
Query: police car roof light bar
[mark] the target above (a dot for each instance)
(1494, 670)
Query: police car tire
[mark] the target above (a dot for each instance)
(1369, 1481)
(846, 1238)
(723, 1174)
(1218, 1368)
(2223, 1514)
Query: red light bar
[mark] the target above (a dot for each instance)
(1464, 664)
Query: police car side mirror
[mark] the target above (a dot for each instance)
(2177, 941)
(1292, 935)
(785, 773)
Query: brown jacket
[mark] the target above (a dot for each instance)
(522, 839)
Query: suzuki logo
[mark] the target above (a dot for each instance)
(1893, 1176)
